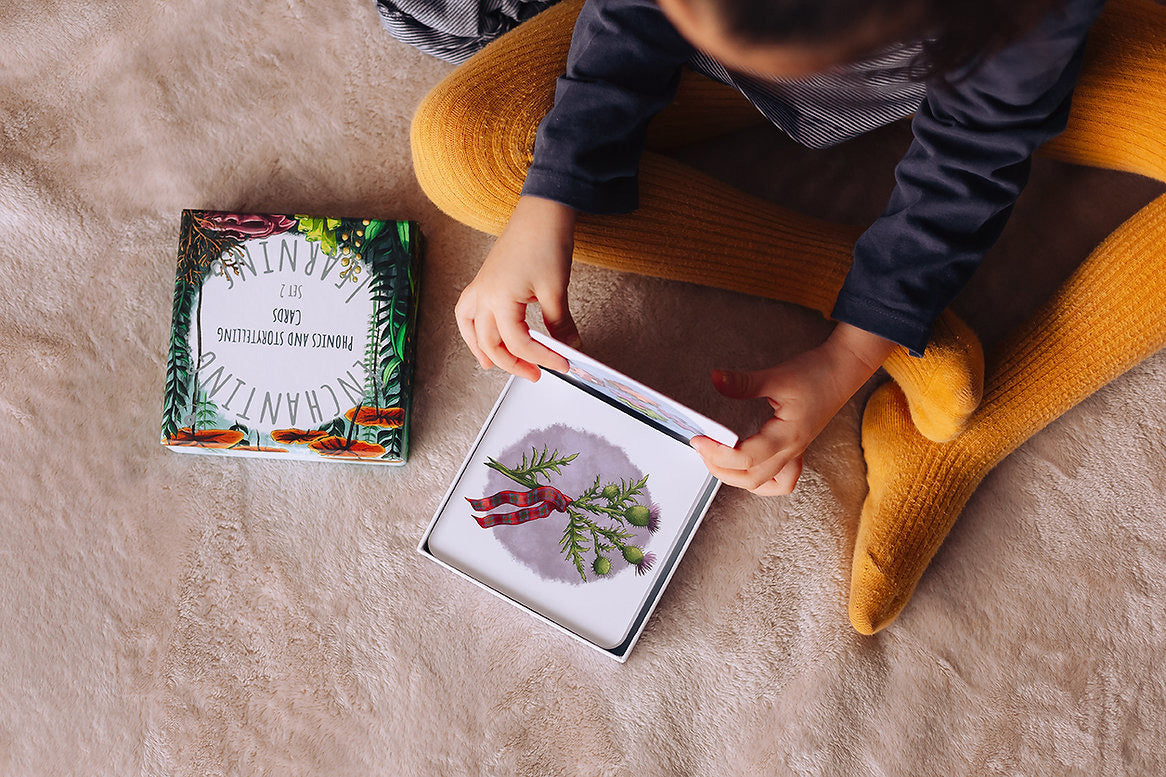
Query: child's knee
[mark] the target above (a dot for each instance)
(473, 135)
(460, 158)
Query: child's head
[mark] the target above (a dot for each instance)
(796, 37)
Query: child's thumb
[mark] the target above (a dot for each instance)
(565, 331)
(560, 323)
(738, 385)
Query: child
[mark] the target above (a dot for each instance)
(995, 85)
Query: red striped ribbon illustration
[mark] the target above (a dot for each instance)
(536, 503)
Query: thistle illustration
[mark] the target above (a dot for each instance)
(597, 520)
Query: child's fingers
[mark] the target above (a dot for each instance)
(746, 385)
(518, 341)
(557, 317)
(749, 453)
(463, 314)
(784, 481)
(717, 454)
(491, 342)
(466, 327)
(753, 479)
(755, 462)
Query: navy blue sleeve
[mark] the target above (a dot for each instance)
(622, 69)
(957, 184)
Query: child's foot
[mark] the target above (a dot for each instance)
(917, 490)
(944, 387)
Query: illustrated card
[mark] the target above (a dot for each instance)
(647, 402)
(573, 507)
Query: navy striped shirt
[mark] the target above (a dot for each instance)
(955, 186)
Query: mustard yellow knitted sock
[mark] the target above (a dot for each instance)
(472, 138)
(1110, 315)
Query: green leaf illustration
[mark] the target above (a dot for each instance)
(527, 472)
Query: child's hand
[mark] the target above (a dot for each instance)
(805, 393)
(530, 262)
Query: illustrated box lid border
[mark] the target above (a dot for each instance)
(410, 292)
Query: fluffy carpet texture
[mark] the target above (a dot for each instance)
(175, 615)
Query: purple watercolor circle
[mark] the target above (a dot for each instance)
(536, 544)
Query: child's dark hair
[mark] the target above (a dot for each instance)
(955, 32)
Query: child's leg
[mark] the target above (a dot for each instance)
(1119, 107)
(473, 135)
(1107, 317)
(472, 139)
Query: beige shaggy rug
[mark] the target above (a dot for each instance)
(175, 615)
